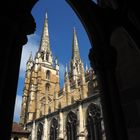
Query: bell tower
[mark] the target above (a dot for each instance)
(42, 75)
(49, 74)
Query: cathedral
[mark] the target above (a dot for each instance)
(49, 112)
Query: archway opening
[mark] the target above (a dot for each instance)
(71, 126)
(39, 131)
(54, 129)
(94, 123)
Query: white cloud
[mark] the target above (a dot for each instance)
(17, 108)
(31, 46)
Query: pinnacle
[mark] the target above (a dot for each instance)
(66, 71)
(86, 67)
(66, 68)
(31, 57)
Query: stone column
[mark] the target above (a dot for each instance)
(33, 133)
(45, 132)
(61, 129)
(81, 124)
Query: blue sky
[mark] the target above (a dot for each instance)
(61, 20)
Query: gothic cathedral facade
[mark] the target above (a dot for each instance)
(70, 113)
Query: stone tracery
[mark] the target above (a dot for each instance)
(54, 129)
(94, 122)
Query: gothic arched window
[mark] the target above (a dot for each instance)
(53, 129)
(71, 126)
(39, 131)
(48, 74)
(47, 87)
(94, 123)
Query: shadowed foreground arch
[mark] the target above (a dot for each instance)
(100, 20)
(16, 23)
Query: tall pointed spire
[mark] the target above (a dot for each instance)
(44, 51)
(66, 68)
(45, 42)
(75, 48)
(75, 60)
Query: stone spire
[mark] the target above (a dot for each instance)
(75, 48)
(66, 75)
(45, 42)
(30, 57)
(44, 52)
(86, 67)
(67, 85)
(66, 70)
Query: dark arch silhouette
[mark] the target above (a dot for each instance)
(15, 138)
(71, 126)
(94, 122)
(53, 129)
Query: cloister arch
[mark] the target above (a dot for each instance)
(93, 121)
(54, 129)
(39, 131)
(71, 126)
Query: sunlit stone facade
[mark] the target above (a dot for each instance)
(50, 113)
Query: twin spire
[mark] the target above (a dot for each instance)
(45, 43)
(46, 53)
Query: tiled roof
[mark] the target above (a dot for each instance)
(16, 128)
